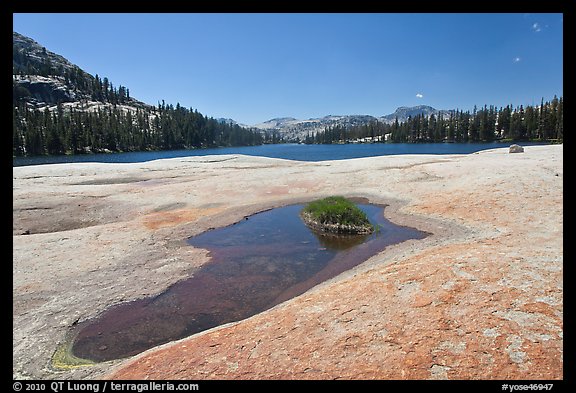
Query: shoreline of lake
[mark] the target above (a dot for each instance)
(490, 276)
(288, 151)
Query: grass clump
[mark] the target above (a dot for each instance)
(336, 214)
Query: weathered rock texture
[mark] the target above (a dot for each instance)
(482, 298)
(515, 149)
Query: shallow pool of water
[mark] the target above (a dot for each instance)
(255, 264)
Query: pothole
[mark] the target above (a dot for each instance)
(257, 263)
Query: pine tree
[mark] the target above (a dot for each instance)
(431, 131)
(17, 136)
(521, 124)
(492, 116)
(531, 122)
(464, 129)
(541, 121)
(473, 126)
(560, 123)
(504, 119)
(55, 132)
(451, 135)
(553, 115)
(440, 129)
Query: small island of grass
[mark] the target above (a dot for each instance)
(336, 215)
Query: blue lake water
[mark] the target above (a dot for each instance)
(296, 152)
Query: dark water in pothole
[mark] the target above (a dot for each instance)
(255, 264)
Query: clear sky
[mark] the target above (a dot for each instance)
(254, 67)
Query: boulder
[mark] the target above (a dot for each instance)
(516, 149)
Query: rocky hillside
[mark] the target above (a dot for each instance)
(297, 130)
(404, 112)
(30, 57)
(43, 79)
(60, 109)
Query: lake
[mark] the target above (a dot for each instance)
(298, 152)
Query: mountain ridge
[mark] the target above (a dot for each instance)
(294, 129)
(45, 79)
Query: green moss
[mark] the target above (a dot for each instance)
(63, 358)
(336, 214)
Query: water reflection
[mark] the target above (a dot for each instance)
(340, 242)
(255, 264)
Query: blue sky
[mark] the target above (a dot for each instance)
(254, 67)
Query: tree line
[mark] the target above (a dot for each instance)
(542, 122)
(120, 123)
(77, 130)
(115, 122)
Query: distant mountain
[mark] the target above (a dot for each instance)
(404, 112)
(43, 79)
(297, 130)
(231, 122)
(278, 122)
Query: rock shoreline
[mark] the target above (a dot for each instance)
(481, 298)
(335, 229)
